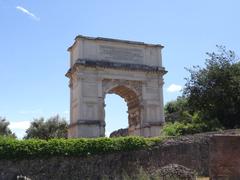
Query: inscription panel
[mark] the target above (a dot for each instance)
(120, 54)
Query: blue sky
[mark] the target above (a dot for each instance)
(35, 36)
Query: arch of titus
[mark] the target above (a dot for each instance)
(130, 69)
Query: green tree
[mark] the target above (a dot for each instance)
(214, 90)
(177, 110)
(54, 127)
(4, 129)
(182, 120)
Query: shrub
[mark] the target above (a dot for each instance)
(32, 148)
(181, 128)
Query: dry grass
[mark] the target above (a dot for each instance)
(202, 178)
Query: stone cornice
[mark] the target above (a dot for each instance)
(115, 40)
(149, 124)
(87, 122)
(116, 65)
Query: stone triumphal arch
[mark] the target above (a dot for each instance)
(132, 70)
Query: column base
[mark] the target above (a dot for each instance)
(152, 129)
(86, 129)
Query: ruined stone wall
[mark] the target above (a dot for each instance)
(189, 151)
(224, 159)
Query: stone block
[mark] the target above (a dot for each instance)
(224, 158)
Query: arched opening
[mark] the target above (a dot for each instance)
(133, 108)
(116, 116)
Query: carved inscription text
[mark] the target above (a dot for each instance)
(127, 55)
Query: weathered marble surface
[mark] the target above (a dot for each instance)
(132, 70)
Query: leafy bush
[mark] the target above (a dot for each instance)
(178, 128)
(32, 148)
(177, 110)
(181, 120)
(183, 128)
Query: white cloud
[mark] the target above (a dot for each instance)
(107, 134)
(174, 88)
(25, 11)
(19, 125)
